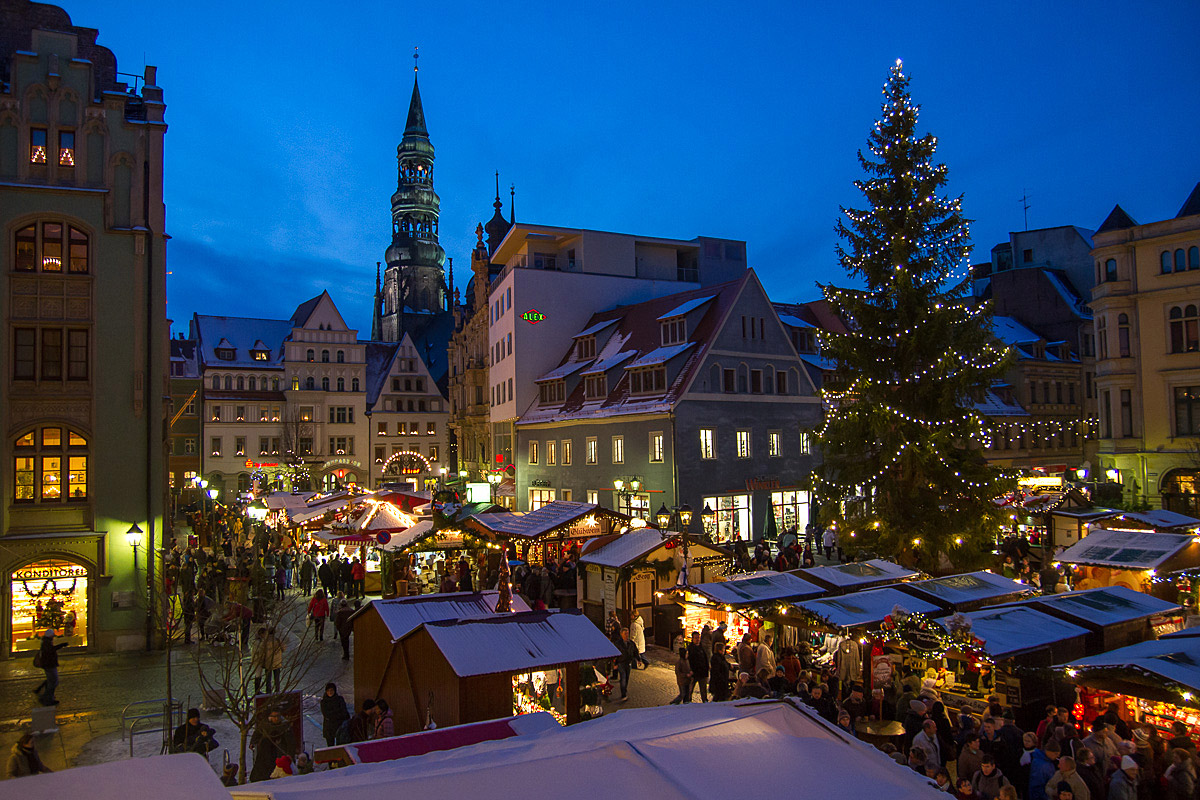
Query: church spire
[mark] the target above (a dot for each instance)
(416, 114)
(497, 226)
(377, 309)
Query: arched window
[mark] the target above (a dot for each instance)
(47, 246)
(1185, 329)
(1194, 258)
(243, 481)
(216, 383)
(324, 356)
(228, 383)
(241, 383)
(295, 383)
(354, 384)
(309, 384)
(324, 384)
(1123, 335)
(275, 384)
(50, 465)
(1165, 261)
(341, 384)
(341, 356)
(254, 383)
(1180, 262)
(311, 356)
(1110, 270)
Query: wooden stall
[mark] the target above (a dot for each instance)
(1139, 560)
(557, 530)
(745, 603)
(856, 576)
(1115, 616)
(630, 573)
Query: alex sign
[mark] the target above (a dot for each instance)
(533, 316)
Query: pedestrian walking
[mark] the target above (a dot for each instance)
(683, 678)
(188, 607)
(204, 609)
(637, 633)
(307, 574)
(718, 674)
(358, 579)
(47, 658)
(345, 627)
(318, 611)
(828, 540)
(326, 578)
(333, 713)
(698, 661)
(625, 662)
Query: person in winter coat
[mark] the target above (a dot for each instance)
(1181, 776)
(465, 584)
(362, 724)
(699, 664)
(988, 779)
(271, 739)
(927, 740)
(683, 678)
(358, 579)
(764, 656)
(1042, 764)
(193, 736)
(718, 674)
(1067, 773)
(1025, 760)
(637, 634)
(327, 578)
(345, 627)
(48, 660)
(24, 759)
(318, 612)
(308, 574)
(333, 713)
(970, 757)
(1090, 773)
(304, 764)
(1124, 782)
(625, 662)
(385, 724)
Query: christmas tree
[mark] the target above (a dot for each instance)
(902, 441)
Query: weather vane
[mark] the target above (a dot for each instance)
(416, 55)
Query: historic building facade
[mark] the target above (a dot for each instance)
(183, 423)
(1147, 309)
(82, 295)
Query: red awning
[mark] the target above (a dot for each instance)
(354, 538)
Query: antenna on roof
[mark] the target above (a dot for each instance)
(1025, 206)
(416, 56)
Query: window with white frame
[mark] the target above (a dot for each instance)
(805, 442)
(618, 449)
(551, 453)
(743, 444)
(566, 452)
(533, 452)
(708, 443)
(591, 450)
(656, 447)
(773, 444)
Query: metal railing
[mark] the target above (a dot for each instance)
(150, 716)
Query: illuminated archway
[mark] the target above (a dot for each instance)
(406, 462)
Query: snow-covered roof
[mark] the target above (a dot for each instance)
(865, 608)
(1011, 332)
(240, 334)
(1010, 631)
(859, 573)
(1161, 518)
(1125, 549)
(519, 642)
(970, 587)
(535, 523)
(1073, 301)
(182, 775)
(594, 329)
(403, 615)
(318, 507)
(1171, 658)
(663, 752)
(607, 363)
(795, 322)
(761, 587)
(563, 370)
(993, 405)
(374, 751)
(382, 517)
(623, 549)
(286, 500)
(403, 539)
(660, 355)
(1107, 605)
(684, 308)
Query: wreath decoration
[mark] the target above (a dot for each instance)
(927, 639)
(51, 585)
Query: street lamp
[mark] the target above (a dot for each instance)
(709, 518)
(681, 516)
(493, 479)
(133, 537)
(663, 516)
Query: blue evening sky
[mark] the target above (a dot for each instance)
(664, 119)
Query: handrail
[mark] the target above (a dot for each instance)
(165, 714)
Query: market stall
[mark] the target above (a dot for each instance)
(742, 603)
(968, 591)
(556, 531)
(1154, 682)
(858, 575)
(1115, 616)
(1141, 561)
(630, 572)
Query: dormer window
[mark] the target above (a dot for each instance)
(595, 386)
(225, 350)
(648, 381)
(260, 352)
(585, 348)
(674, 331)
(552, 392)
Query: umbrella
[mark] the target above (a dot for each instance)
(771, 530)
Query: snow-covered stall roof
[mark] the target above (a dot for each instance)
(970, 587)
(317, 507)
(1009, 631)
(380, 518)
(623, 549)
(865, 608)
(1160, 519)
(761, 587)
(403, 615)
(843, 576)
(535, 523)
(519, 642)
(283, 500)
(1173, 659)
(186, 776)
(1108, 605)
(407, 538)
(1125, 549)
(664, 753)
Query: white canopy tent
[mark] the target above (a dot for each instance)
(183, 776)
(698, 750)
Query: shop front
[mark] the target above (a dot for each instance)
(50, 593)
(732, 520)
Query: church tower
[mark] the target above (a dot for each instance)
(414, 282)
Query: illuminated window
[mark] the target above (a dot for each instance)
(216, 445)
(66, 148)
(743, 444)
(306, 413)
(566, 452)
(805, 442)
(26, 249)
(533, 452)
(618, 449)
(52, 246)
(43, 469)
(708, 448)
(551, 453)
(773, 448)
(591, 450)
(295, 383)
(37, 145)
(656, 447)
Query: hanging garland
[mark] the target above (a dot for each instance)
(53, 588)
(925, 638)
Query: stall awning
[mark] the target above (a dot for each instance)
(532, 524)
(1153, 664)
(437, 740)
(1009, 631)
(766, 586)
(866, 608)
(407, 538)
(1125, 549)
(1161, 520)
(1109, 605)
(354, 538)
(966, 589)
(861, 573)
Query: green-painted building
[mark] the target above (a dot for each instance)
(84, 345)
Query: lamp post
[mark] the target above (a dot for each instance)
(493, 479)
(133, 537)
(708, 518)
(679, 518)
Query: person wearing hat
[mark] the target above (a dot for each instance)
(1062, 791)
(283, 767)
(47, 659)
(193, 736)
(1067, 774)
(1124, 783)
